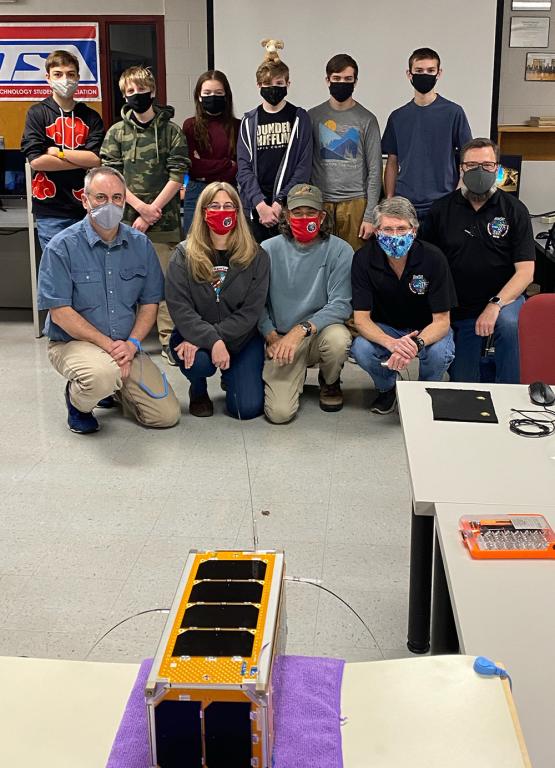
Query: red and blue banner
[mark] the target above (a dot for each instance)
(24, 47)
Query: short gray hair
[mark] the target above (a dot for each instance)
(101, 169)
(399, 208)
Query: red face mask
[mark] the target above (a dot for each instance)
(305, 228)
(221, 222)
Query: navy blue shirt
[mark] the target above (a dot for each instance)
(103, 282)
(425, 140)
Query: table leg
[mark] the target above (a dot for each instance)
(444, 631)
(420, 588)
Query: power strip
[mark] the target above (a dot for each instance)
(548, 219)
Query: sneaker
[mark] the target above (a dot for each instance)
(200, 406)
(78, 421)
(106, 402)
(331, 396)
(386, 402)
(168, 354)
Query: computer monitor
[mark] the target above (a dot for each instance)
(12, 174)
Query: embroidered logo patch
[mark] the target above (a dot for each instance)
(311, 226)
(498, 227)
(227, 222)
(419, 285)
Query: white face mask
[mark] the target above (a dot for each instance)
(107, 216)
(64, 88)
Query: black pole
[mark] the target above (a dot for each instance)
(498, 52)
(210, 33)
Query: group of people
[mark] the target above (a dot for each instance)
(300, 247)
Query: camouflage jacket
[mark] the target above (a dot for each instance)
(149, 158)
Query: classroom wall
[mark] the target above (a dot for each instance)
(518, 100)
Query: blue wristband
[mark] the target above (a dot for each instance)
(136, 342)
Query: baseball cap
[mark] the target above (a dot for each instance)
(305, 194)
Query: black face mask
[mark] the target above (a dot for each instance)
(273, 94)
(341, 91)
(424, 83)
(213, 105)
(140, 102)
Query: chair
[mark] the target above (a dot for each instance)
(536, 336)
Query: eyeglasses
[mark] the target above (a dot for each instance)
(489, 166)
(396, 230)
(101, 198)
(220, 207)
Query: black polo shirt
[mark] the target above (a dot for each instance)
(481, 246)
(425, 287)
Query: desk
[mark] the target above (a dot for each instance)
(544, 273)
(65, 714)
(18, 219)
(454, 462)
(498, 606)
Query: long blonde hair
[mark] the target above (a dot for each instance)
(241, 245)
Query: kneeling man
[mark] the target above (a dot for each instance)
(101, 282)
(309, 300)
(402, 295)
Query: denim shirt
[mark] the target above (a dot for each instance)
(103, 282)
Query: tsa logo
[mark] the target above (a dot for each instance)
(24, 48)
(419, 285)
(498, 227)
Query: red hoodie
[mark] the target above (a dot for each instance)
(217, 164)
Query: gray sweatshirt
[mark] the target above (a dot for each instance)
(307, 282)
(347, 157)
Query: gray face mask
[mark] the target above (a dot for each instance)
(107, 216)
(479, 181)
(65, 88)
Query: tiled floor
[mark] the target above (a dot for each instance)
(95, 529)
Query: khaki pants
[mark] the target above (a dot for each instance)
(163, 320)
(345, 219)
(94, 375)
(284, 383)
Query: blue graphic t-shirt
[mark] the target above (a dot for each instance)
(219, 271)
(347, 159)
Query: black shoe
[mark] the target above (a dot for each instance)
(386, 402)
(167, 352)
(78, 421)
(200, 406)
(106, 402)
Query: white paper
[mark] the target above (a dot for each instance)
(529, 32)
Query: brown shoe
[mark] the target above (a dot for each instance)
(200, 406)
(331, 396)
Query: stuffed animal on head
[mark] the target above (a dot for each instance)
(272, 47)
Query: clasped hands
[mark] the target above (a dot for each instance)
(402, 350)
(149, 214)
(268, 214)
(123, 352)
(282, 349)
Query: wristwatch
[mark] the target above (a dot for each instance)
(307, 328)
(420, 343)
(496, 300)
(61, 155)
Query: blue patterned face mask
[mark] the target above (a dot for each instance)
(395, 246)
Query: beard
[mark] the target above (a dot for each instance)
(473, 197)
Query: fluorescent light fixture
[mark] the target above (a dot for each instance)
(531, 5)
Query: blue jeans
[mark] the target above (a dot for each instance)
(192, 193)
(433, 360)
(468, 347)
(244, 397)
(48, 227)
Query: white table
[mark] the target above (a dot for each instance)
(65, 714)
(504, 610)
(456, 462)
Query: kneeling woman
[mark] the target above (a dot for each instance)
(216, 287)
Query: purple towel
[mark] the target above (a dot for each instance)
(307, 696)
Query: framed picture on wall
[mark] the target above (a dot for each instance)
(540, 67)
(531, 5)
(529, 32)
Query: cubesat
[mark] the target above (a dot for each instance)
(209, 693)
